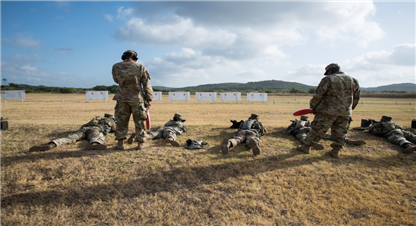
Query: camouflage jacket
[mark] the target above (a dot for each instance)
(337, 94)
(134, 82)
(297, 125)
(105, 125)
(384, 128)
(178, 126)
(253, 125)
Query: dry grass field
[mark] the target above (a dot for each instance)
(373, 184)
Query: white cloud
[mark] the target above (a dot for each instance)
(24, 40)
(371, 69)
(178, 31)
(124, 13)
(109, 17)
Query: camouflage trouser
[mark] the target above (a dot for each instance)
(162, 132)
(321, 123)
(302, 133)
(93, 134)
(401, 137)
(247, 136)
(123, 110)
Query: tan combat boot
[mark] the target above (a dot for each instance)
(96, 146)
(354, 142)
(317, 146)
(334, 153)
(409, 149)
(304, 148)
(131, 138)
(120, 144)
(225, 146)
(141, 145)
(255, 147)
(172, 142)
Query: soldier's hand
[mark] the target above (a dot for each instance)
(147, 104)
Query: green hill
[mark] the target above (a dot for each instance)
(406, 87)
(262, 86)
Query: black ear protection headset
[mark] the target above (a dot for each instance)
(133, 57)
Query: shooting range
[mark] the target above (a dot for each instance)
(157, 95)
(13, 94)
(96, 95)
(206, 96)
(257, 97)
(179, 95)
(230, 96)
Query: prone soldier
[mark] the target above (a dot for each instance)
(168, 132)
(394, 133)
(94, 131)
(249, 132)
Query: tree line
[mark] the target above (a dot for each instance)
(113, 89)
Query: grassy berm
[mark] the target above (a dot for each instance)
(373, 184)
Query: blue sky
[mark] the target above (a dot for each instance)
(189, 43)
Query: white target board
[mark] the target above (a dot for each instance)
(256, 96)
(231, 96)
(13, 94)
(96, 95)
(179, 95)
(210, 96)
(157, 95)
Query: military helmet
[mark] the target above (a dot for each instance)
(131, 53)
(304, 118)
(332, 67)
(254, 115)
(386, 118)
(108, 115)
(177, 115)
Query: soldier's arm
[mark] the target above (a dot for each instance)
(147, 87)
(184, 127)
(356, 95)
(114, 75)
(113, 126)
(397, 126)
(319, 92)
(376, 129)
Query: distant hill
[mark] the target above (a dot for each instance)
(262, 86)
(407, 87)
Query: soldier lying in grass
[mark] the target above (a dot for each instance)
(168, 132)
(394, 133)
(249, 132)
(94, 131)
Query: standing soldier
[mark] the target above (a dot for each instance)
(172, 128)
(94, 131)
(394, 133)
(300, 130)
(335, 97)
(134, 97)
(249, 132)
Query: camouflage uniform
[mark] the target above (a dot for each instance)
(170, 130)
(300, 129)
(393, 132)
(335, 97)
(249, 132)
(94, 131)
(134, 89)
